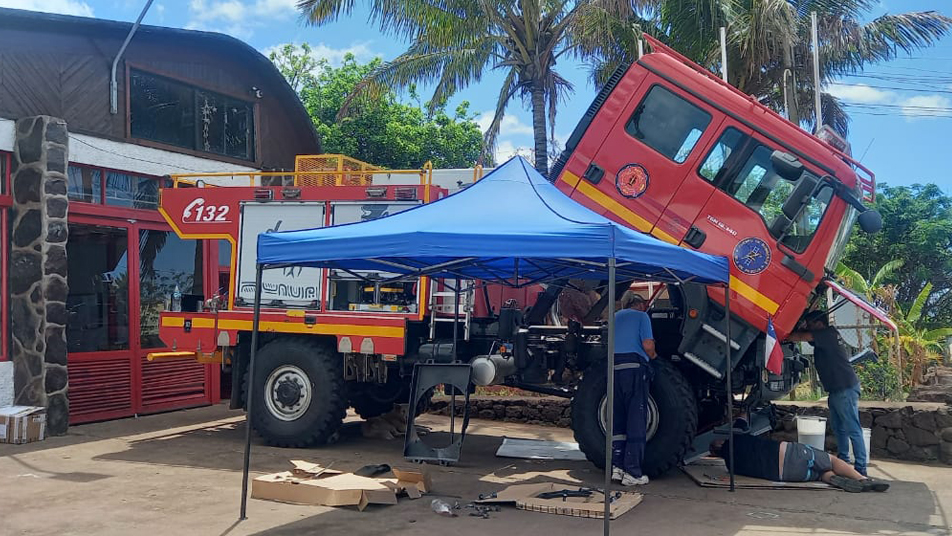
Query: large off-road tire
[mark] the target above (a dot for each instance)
(672, 417)
(299, 392)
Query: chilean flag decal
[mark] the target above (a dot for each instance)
(772, 350)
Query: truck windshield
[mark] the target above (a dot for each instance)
(842, 237)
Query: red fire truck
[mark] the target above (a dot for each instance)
(666, 148)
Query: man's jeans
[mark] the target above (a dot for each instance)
(844, 418)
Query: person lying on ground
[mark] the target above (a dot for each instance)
(787, 461)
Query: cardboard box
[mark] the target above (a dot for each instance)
(526, 497)
(312, 484)
(22, 424)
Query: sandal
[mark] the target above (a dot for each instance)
(847, 484)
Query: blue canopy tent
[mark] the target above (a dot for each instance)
(513, 227)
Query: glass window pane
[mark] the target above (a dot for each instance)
(166, 261)
(225, 125)
(668, 124)
(161, 110)
(98, 300)
(804, 227)
(125, 190)
(84, 184)
(729, 141)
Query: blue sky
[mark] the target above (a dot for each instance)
(902, 110)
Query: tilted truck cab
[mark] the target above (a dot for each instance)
(671, 150)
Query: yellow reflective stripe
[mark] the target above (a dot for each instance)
(751, 294)
(613, 206)
(661, 235)
(289, 327)
(593, 193)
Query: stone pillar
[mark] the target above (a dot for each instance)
(38, 285)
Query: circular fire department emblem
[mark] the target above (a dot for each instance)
(752, 255)
(632, 180)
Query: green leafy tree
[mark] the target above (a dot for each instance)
(454, 42)
(917, 227)
(769, 46)
(382, 130)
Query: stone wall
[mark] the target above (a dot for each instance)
(915, 432)
(38, 284)
(910, 432)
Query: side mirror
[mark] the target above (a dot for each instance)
(786, 165)
(780, 224)
(870, 221)
(800, 196)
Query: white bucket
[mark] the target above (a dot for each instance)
(867, 437)
(812, 431)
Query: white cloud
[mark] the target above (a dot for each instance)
(510, 124)
(62, 7)
(160, 12)
(334, 56)
(506, 149)
(237, 17)
(923, 106)
(860, 93)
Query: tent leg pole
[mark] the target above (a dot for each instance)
(455, 358)
(250, 399)
(610, 393)
(730, 393)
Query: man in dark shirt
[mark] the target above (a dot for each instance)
(786, 461)
(837, 376)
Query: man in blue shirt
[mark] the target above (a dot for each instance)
(634, 348)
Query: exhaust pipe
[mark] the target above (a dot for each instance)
(492, 369)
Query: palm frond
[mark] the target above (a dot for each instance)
(510, 87)
(939, 335)
(849, 46)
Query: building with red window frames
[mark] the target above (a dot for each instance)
(87, 261)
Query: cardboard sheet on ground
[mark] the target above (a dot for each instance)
(536, 449)
(526, 497)
(712, 473)
(311, 484)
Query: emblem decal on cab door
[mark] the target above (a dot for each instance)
(632, 180)
(752, 256)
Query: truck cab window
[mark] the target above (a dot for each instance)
(668, 124)
(742, 168)
(804, 227)
(729, 141)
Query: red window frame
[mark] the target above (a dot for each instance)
(114, 211)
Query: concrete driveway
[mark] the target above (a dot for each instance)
(180, 474)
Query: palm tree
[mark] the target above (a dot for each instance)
(454, 42)
(922, 345)
(769, 48)
(875, 289)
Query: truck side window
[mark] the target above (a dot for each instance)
(730, 140)
(668, 124)
(741, 167)
(801, 232)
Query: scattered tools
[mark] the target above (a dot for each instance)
(565, 493)
(485, 496)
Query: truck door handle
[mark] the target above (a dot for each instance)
(797, 268)
(593, 174)
(695, 237)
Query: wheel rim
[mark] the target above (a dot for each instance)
(287, 393)
(654, 416)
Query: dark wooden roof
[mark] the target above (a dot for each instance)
(154, 41)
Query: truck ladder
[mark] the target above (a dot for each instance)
(443, 307)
